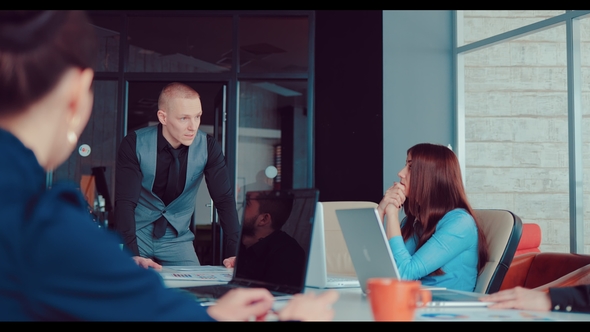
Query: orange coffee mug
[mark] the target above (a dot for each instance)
(396, 300)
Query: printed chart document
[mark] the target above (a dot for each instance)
(481, 315)
(197, 273)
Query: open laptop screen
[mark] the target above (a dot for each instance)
(275, 239)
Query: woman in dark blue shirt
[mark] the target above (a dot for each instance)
(56, 264)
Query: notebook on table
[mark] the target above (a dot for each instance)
(278, 261)
(372, 257)
(317, 271)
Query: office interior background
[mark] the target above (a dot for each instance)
(333, 99)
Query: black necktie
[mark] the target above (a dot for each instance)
(170, 193)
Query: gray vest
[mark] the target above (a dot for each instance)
(150, 207)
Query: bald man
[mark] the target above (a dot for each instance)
(159, 170)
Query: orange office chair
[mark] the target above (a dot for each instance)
(543, 270)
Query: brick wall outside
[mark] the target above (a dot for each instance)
(517, 122)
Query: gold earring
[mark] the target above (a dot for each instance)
(72, 137)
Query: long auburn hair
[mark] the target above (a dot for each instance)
(436, 187)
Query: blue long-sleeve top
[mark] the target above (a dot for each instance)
(452, 247)
(56, 264)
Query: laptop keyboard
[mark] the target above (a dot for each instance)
(341, 279)
(217, 291)
(211, 291)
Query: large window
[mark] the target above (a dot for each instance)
(585, 102)
(481, 24)
(518, 120)
(516, 131)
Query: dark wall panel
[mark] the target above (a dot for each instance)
(349, 105)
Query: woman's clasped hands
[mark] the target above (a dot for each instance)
(394, 198)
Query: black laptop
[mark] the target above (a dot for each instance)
(274, 246)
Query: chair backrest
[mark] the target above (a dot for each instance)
(530, 241)
(502, 230)
(337, 257)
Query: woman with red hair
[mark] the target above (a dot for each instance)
(439, 242)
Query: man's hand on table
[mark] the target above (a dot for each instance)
(146, 263)
(229, 262)
(519, 298)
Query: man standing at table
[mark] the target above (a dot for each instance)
(159, 170)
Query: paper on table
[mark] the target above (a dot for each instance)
(482, 315)
(196, 276)
(197, 273)
(198, 268)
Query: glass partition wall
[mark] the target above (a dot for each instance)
(253, 70)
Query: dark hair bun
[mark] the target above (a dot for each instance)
(36, 48)
(23, 30)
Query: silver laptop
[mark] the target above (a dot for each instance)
(317, 271)
(372, 257)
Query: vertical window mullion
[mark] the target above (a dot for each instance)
(575, 136)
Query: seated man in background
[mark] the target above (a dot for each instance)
(266, 252)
